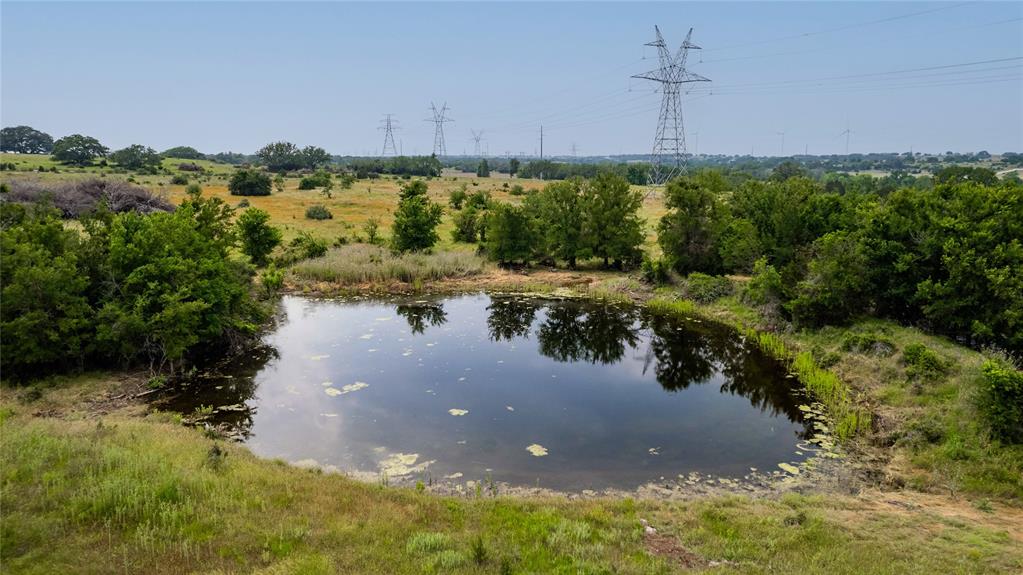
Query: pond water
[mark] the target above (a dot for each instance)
(566, 395)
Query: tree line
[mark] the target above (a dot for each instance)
(949, 256)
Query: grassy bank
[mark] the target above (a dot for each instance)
(144, 494)
(367, 264)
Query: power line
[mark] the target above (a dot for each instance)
(438, 119)
(669, 153)
(389, 126)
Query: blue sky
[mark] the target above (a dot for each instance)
(234, 75)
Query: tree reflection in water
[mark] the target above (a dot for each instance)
(510, 318)
(421, 316)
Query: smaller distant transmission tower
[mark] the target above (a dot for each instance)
(476, 138)
(438, 119)
(669, 155)
(389, 126)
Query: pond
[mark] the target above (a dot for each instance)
(567, 395)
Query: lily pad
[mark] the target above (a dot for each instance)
(354, 387)
(458, 412)
(332, 391)
(537, 450)
(319, 357)
(789, 468)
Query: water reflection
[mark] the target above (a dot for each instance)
(420, 316)
(575, 377)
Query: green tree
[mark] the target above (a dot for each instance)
(78, 150)
(246, 182)
(560, 212)
(25, 140)
(689, 233)
(513, 166)
(281, 156)
(313, 157)
(258, 237)
(483, 169)
(136, 157)
(416, 219)
(612, 228)
(787, 169)
(279, 183)
(467, 223)
(183, 153)
(510, 235)
(836, 287)
(45, 318)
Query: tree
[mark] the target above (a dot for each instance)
(483, 170)
(313, 157)
(25, 140)
(612, 228)
(247, 182)
(281, 156)
(836, 287)
(416, 219)
(787, 169)
(78, 150)
(258, 237)
(513, 166)
(184, 153)
(510, 236)
(689, 234)
(45, 318)
(559, 211)
(136, 157)
(279, 183)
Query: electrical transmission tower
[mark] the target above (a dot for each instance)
(669, 155)
(438, 119)
(476, 137)
(389, 126)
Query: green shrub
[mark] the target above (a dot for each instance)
(923, 363)
(705, 289)
(371, 227)
(655, 271)
(272, 280)
(510, 234)
(416, 219)
(247, 182)
(320, 179)
(517, 190)
(868, 343)
(258, 237)
(457, 197)
(302, 247)
(179, 180)
(318, 212)
(1002, 400)
(467, 223)
(765, 286)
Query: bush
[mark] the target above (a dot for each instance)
(179, 180)
(836, 286)
(320, 179)
(655, 271)
(467, 223)
(868, 343)
(1002, 400)
(318, 212)
(416, 220)
(457, 197)
(371, 228)
(258, 237)
(517, 190)
(923, 363)
(302, 247)
(247, 182)
(272, 280)
(765, 286)
(705, 289)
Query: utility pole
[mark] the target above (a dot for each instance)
(669, 153)
(438, 119)
(389, 126)
(476, 136)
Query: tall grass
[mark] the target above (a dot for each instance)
(361, 263)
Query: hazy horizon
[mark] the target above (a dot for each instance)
(930, 77)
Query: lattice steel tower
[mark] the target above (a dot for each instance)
(669, 154)
(438, 119)
(476, 138)
(389, 126)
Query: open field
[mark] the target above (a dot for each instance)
(369, 198)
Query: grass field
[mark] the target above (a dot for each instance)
(351, 208)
